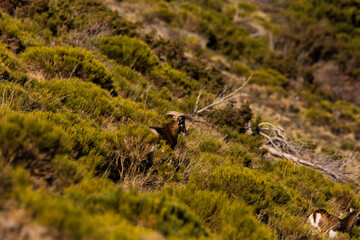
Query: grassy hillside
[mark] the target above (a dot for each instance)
(82, 81)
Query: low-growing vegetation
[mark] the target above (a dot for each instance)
(79, 88)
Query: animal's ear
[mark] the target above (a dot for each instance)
(153, 130)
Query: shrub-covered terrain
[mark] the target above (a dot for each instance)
(82, 81)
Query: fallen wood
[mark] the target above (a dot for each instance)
(334, 175)
(280, 144)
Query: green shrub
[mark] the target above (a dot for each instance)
(345, 194)
(241, 224)
(355, 232)
(231, 116)
(195, 68)
(18, 35)
(248, 7)
(85, 99)
(131, 146)
(15, 97)
(253, 143)
(207, 205)
(222, 32)
(163, 12)
(84, 204)
(210, 145)
(174, 79)
(86, 136)
(14, 180)
(58, 17)
(269, 77)
(210, 4)
(38, 145)
(78, 96)
(10, 6)
(233, 220)
(131, 52)
(11, 68)
(73, 221)
(258, 191)
(24, 131)
(129, 83)
(349, 146)
(240, 68)
(319, 117)
(239, 154)
(293, 227)
(313, 185)
(66, 62)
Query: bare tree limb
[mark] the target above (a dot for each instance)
(221, 98)
(281, 144)
(73, 71)
(197, 100)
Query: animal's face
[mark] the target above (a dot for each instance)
(352, 219)
(181, 125)
(357, 220)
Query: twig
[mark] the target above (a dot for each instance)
(228, 97)
(2, 105)
(72, 72)
(197, 100)
(340, 170)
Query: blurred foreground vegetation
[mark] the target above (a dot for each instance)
(80, 86)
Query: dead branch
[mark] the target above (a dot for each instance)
(197, 100)
(73, 71)
(281, 144)
(221, 99)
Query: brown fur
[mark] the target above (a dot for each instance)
(170, 131)
(329, 222)
(350, 220)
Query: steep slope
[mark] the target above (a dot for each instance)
(80, 85)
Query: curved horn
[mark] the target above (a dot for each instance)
(175, 113)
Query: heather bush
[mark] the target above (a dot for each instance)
(319, 117)
(231, 116)
(17, 35)
(129, 83)
(76, 222)
(253, 143)
(223, 34)
(176, 77)
(195, 68)
(90, 207)
(11, 68)
(67, 62)
(210, 145)
(130, 52)
(163, 12)
(247, 7)
(24, 131)
(260, 192)
(269, 77)
(240, 68)
(58, 17)
(39, 146)
(244, 227)
(76, 151)
(232, 220)
(78, 96)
